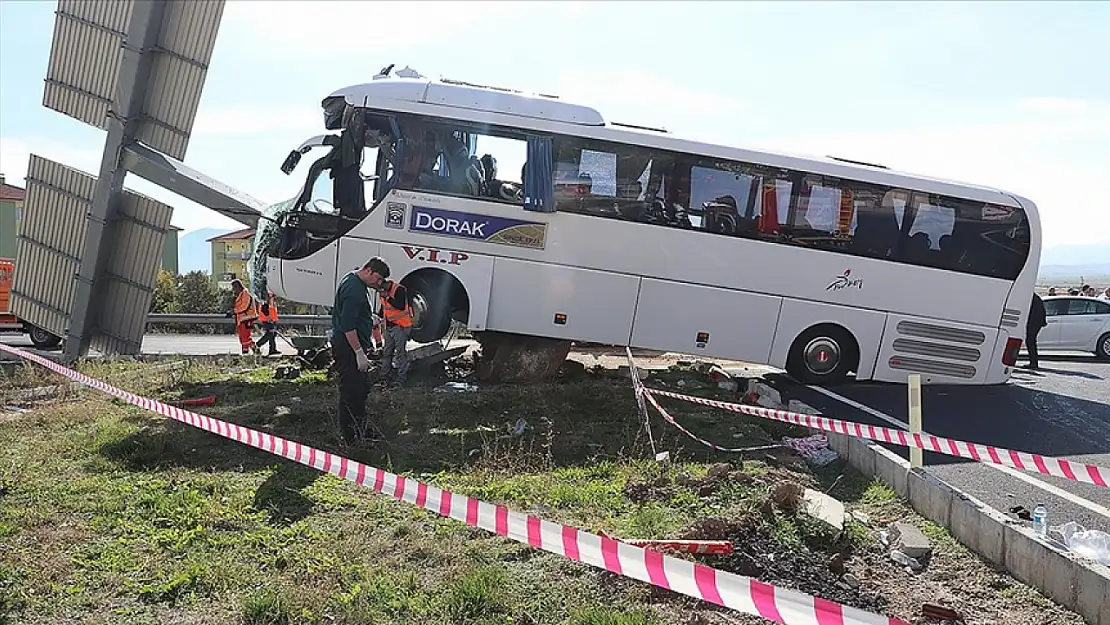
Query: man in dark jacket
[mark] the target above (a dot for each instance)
(1037, 320)
(352, 327)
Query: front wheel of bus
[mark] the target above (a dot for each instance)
(430, 300)
(823, 355)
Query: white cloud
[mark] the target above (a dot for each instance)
(15, 154)
(321, 28)
(635, 97)
(1062, 106)
(251, 120)
(1057, 162)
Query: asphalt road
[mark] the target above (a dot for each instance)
(1063, 410)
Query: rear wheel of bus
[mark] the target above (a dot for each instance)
(823, 354)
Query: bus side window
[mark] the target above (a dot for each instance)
(878, 229)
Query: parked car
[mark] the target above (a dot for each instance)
(1076, 323)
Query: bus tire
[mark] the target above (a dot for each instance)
(430, 297)
(823, 354)
(1102, 347)
(42, 339)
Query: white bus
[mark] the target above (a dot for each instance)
(525, 214)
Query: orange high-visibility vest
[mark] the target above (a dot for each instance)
(244, 307)
(272, 307)
(393, 316)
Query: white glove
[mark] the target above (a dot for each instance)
(362, 361)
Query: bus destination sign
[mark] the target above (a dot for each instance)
(488, 228)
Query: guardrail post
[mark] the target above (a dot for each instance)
(917, 456)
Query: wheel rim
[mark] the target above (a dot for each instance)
(40, 336)
(1106, 346)
(419, 306)
(821, 355)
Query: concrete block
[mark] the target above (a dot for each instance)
(930, 497)
(1025, 556)
(838, 443)
(893, 471)
(1061, 578)
(861, 455)
(910, 541)
(820, 506)
(975, 528)
(1093, 594)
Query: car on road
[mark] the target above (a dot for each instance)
(1076, 323)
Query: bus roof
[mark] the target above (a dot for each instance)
(452, 99)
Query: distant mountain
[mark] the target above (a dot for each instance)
(194, 252)
(1088, 271)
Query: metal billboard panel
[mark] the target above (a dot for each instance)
(134, 243)
(177, 74)
(82, 79)
(85, 58)
(49, 246)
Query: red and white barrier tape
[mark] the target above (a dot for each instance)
(1059, 467)
(689, 578)
(643, 398)
(646, 392)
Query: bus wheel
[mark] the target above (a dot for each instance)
(823, 355)
(42, 339)
(430, 300)
(1102, 347)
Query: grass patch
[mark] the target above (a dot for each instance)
(111, 514)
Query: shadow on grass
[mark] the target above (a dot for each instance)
(565, 424)
(280, 495)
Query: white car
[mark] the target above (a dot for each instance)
(1076, 323)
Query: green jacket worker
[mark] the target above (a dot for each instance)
(352, 324)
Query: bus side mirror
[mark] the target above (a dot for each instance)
(291, 162)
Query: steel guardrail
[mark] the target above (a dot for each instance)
(217, 319)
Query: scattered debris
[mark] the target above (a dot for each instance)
(820, 506)
(520, 427)
(906, 561)
(197, 401)
(851, 580)
(940, 613)
(625, 372)
(701, 547)
(1093, 544)
(663, 457)
(788, 497)
(910, 541)
(456, 387)
(815, 449)
(282, 411)
(287, 372)
(860, 517)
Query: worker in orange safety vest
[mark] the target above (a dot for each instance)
(245, 313)
(268, 319)
(393, 365)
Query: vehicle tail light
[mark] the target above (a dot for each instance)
(1010, 355)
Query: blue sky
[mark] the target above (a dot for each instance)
(1014, 95)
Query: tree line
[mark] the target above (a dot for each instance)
(196, 293)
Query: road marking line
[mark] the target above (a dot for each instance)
(1025, 477)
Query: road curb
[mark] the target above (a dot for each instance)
(1079, 585)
